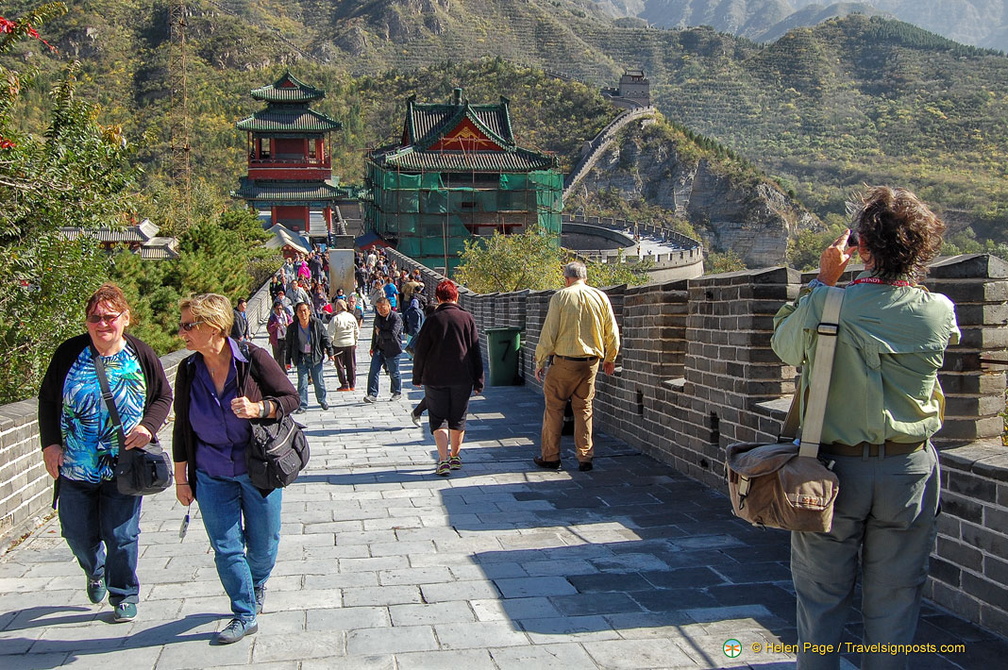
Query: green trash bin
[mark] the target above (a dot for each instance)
(503, 345)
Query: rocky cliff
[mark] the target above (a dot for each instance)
(727, 201)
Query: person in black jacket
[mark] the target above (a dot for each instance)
(220, 390)
(386, 345)
(80, 446)
(308, 346)
(240, 327)
(447, 362)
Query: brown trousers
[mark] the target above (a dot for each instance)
(573, 380)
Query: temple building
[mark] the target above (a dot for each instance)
(457, 173)
(289, 179)
(141, 239)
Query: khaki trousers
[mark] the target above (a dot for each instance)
(573, 380)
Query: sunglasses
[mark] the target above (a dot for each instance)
(188, 326)
(103, 318)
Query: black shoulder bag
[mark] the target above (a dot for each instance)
(138, 472)
(278, 450)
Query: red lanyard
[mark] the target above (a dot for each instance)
(902, 283)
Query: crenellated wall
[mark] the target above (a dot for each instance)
(699, 374)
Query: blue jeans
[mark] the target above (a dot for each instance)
(303, 370)
(244, 531)
(378, 361)
(102, 528)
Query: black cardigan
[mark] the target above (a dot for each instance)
(156, 403)
(264, 375)
(447, 350)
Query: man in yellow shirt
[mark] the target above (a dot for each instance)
(579, 332)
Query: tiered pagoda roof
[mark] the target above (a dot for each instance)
(460, 137)
(294, 119)
(288, 89)
(287, 191)
(287, 109)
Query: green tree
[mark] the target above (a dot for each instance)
(74, 175)
(505, 263)
(718, 263)
(532, 260)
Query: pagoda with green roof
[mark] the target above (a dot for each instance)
(289, 168)
(458, 173)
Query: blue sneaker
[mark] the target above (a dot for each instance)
(124, 612)
(236, 630)
(96, 590)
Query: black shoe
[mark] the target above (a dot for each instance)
(300, 410)
(585, 466)
(549, 465)
(325, 405)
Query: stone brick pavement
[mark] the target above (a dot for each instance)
(385, 565)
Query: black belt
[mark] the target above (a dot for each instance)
(868, 449)
(580, 360)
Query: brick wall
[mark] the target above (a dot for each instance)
(699, 374)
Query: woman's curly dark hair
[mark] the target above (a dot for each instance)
(900, 232)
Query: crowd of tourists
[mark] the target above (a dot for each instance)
(891, 340)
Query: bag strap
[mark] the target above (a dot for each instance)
(822, 370)
(792, 422)
(247, 353)
(250, 370)
(109, 400)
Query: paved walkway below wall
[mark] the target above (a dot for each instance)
(385, 565)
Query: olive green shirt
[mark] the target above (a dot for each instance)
(890, 346)
(579, 323)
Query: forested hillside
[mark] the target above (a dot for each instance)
(855, 100)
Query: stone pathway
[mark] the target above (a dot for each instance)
(385, 565)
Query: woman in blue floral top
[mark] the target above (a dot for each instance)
(80, 445)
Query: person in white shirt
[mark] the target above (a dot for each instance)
(344, 332)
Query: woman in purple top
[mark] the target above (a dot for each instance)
(218, 391)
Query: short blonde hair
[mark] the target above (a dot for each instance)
(212, 309)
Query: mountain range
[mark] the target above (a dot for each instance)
(982, 23)
(854, 100)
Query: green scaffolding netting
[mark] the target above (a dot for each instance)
(431, 215)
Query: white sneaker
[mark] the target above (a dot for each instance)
(395, 396)
(370, 398)
(416, 419)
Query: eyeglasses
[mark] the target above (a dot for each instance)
(188, 326)
(103, 318)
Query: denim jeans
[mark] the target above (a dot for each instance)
(244, 531)
(378, 361)
(102, 528)
(305, 368)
